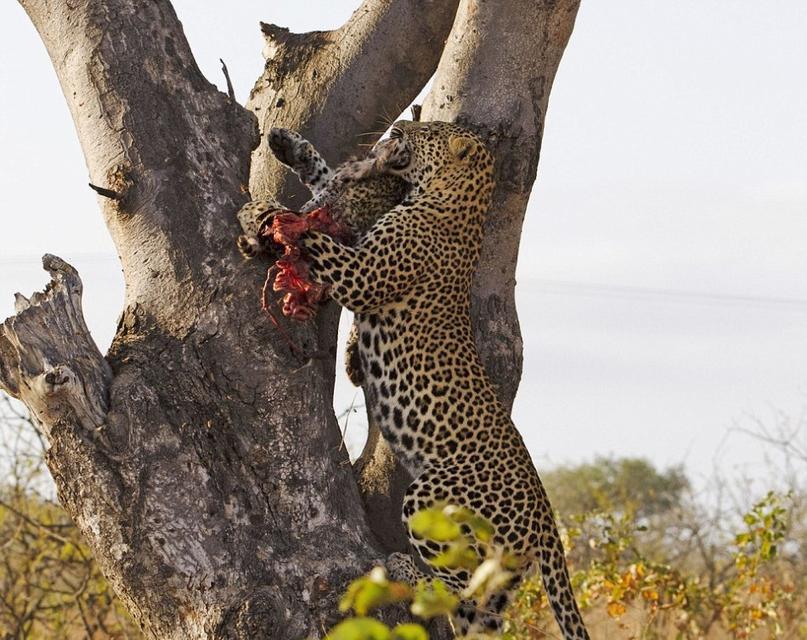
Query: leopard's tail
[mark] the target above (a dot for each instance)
(555, 576)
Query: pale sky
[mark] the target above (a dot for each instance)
(662, 283)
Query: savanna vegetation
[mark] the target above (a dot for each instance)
(650, 557)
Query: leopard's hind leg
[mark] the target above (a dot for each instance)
(470, 617)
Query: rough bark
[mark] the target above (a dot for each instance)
(494, 76)
(201, 460)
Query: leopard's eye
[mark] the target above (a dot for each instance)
(395, 133)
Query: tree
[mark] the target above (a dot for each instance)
(621, 485)
(200, 458)
(50, 587)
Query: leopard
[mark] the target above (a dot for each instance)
(354, 204)
(408, 281)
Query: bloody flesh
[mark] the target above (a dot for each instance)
(301, 294)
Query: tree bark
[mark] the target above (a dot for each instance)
(201, 459)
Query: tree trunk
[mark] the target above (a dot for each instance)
(201, 459)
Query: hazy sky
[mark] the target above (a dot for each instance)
(663, 278)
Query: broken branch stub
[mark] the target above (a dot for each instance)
(48, 358)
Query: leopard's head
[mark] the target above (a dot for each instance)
(420, 151)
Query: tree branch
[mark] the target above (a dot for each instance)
(511, 114)
(230, 89)
(155, 132)
(356, 80)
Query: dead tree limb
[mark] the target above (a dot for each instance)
(50, 362)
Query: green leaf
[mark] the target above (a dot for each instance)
(409, 632)
(434, 524)
(433, 599)
(459, 555)
(372, 591)
(742, 539)
(360, 629)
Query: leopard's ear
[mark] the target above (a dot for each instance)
(463, 148)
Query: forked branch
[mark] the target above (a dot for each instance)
(356, 79)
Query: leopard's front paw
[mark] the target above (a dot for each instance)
(286, 145)
(249, 246)
(300, 155)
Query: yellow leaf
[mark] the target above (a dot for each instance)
(616, 609)
(409, 632)
(481, 527)
(372, 591)
(650, 594)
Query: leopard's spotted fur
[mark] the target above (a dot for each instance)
(408, 281)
